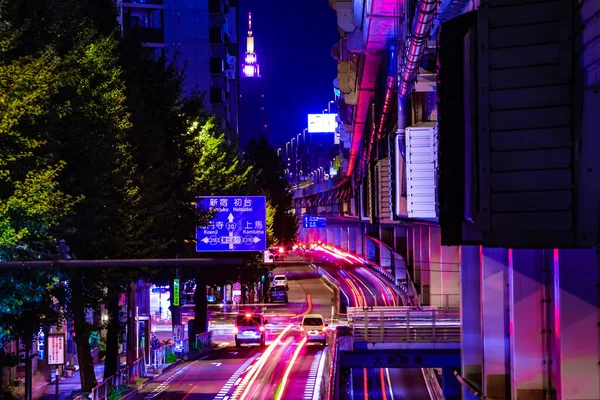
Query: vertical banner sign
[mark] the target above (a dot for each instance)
(175, 292)
(56, 348)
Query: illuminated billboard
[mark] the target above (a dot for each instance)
(319, 123)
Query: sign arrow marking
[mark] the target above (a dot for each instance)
(230, 217)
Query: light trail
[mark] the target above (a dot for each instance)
(387, 372)
(356, 279)
(281, 388)
(249, 379)
(365, 383)
(382, 377)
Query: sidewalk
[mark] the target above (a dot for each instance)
(66, 386)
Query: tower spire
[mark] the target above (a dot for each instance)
(250, 68)
(249, 24)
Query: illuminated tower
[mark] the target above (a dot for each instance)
(250, 67)
(252, 113)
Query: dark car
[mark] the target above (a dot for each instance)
(249, 328)
(278, 293)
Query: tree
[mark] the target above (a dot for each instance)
(271, 181)
(216, 168)
(31, 206)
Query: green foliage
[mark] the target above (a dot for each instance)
(30, 204)
(171, 358)
(118, 392)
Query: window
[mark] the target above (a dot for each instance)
(216, 95)
(215, 35)
(242, 320)
(216, 65)
(214, 6)
(313, 322)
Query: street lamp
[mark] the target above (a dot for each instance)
(329, 106)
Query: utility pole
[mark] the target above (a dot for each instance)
(131, 326)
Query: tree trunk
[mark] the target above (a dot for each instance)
(87, 374)
(112, 361)
(200, 310)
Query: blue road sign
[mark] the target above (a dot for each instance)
(240, 224)
(310, 221)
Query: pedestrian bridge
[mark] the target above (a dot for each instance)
(399, 337)
(423, 328)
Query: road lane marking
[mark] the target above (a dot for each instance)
(216, 364)
(283, 383)
(165, 384)
(237, 382)
(312, 377)
(236, 375)
(190, 392)
(317, 392)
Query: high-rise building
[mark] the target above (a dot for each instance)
(202, 37)
(252, 115)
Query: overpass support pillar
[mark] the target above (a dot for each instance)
(352, 239)
(495, 322)
(436, 294)
(425, 266)
(344, 245)
(337, 236)
(330, 236)
(385, 258)
(554, 312)
(450, 274)
(370, 250)
(323, 235)
(415, 250)
(531, 276)
(360, 240)
(470, 314)
(451, 387)
(576, 345)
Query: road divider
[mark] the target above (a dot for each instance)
(333, 284)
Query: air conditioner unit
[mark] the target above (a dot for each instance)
(421, 170)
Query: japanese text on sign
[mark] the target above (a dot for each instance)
(239, 224)
(56, 349)
(175, 292)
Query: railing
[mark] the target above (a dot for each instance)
(203, 340)
(159, 356)
(125, 375)
(404, 324)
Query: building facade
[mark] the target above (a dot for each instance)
(471, 177)
(201, 36)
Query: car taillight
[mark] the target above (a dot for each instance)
(262, 328)
(235, 330)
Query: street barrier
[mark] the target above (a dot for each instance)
(159, 356)
(203, 340)
(126, 375)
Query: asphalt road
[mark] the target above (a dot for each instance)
(286, 368)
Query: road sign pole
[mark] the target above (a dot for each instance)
(57, 379)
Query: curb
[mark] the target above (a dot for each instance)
(186, 358)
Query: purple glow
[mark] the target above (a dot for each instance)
(250, 68)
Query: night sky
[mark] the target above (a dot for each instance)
(293, 42)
